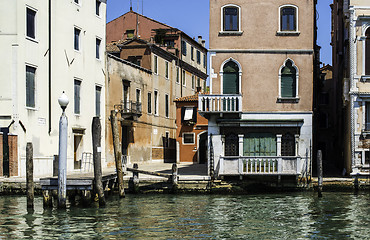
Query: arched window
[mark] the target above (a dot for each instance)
(288, 80)
(367, 57)
(231, 18)
(288, 18)
(230, 78)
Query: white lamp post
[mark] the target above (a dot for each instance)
(63, 134)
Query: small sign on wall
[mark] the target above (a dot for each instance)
(41, 121)
(155, 131)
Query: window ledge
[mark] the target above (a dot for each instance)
(287, 33)
(288, 100)
(32, 39)
(230, 33)
(31, 108)
(365, 78)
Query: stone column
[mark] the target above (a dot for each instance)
(241, 140)
(278, 144)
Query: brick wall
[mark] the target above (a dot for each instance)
(13, 155)
(1, 154)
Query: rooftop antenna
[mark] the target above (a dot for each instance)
(130, 5)
(142, 7)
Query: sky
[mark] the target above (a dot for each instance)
(194, 21)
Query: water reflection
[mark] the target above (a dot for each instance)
(275, 216)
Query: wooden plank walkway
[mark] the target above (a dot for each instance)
(78, 181)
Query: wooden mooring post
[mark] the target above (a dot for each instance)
(135, 178)
(29, 171)
(319, 173)
(96, 139)
(174, 177)
(117, 152)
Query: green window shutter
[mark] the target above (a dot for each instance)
(230, 83)
(288, 85)
(259, 144)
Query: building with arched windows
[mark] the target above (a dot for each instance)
(351, 68)
(260, 105)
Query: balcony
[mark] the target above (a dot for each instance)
(130, 110)
(259, 165)
(224, 103)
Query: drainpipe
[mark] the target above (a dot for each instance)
(49, 67)
(352, 49)
(181, 82)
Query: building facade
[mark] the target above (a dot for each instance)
(50, 47)
(148, 67)
(191, 131)
(352, 66)
(259, 109)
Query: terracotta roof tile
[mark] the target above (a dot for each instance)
(192, 98)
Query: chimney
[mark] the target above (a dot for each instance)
(200, 39)
(203, 43)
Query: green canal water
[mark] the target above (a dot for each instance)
(267, 216)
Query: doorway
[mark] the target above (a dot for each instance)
(203, 148)
(77, 151)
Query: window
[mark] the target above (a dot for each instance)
(367, 52)
(97, 7)
(166, 99)
(177, 75)
(231, 18)
(288, 80)
(192, 82)
(30, 86)
(230, 78)
(324, 98)
(198, 82)
(155, 102)
(189, 115)
(77, 33)
(288, 145)
(198, 56)
(166, 140)
(288, 18)
(149, 102)
(323, 120)
(259, 144)
(204, 61)
(97, 48)
(367, 116)
(192, 53)
(77, 98)
(97, 100)
(188, 138)
(130, 33)
(183, 48)
(167, 70)
(232, 145)
(204, 86)
(138, 101)
(183, 78)
(135, 60)
(155, 64)
(77, 1)
(31, 23)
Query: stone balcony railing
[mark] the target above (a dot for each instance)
(222, 103)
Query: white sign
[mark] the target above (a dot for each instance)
(41, 121)
(155, 131)
(98, 149)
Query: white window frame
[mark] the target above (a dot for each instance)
(239, 16)
(297, 79)
(79, 39)
(178, 80)
(167, 103)
(193, 82)
(98, 15)
(167, 70)
(156, 98)
(155, 64)
(138, 90)
(35, 24)
(101, 93)
(151, 104)
(365, 27)
(74, 110)
(35, 92)
(183, 80)
(100, 55)
(222, 74)
(183, 134)
(297, 20)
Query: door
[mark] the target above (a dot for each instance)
(77, 151)
(125, 140)
(203, 148)
(259, 144)
(5, 132)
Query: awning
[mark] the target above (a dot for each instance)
(188, 114)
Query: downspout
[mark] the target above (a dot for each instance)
(181, 71)
(49, 67)
(352, 82)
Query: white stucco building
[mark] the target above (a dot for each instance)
(48, 47)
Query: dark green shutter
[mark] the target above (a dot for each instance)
(259, 144)
(288, 85)
(230, 83)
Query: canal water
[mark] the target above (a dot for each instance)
(268, 216)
